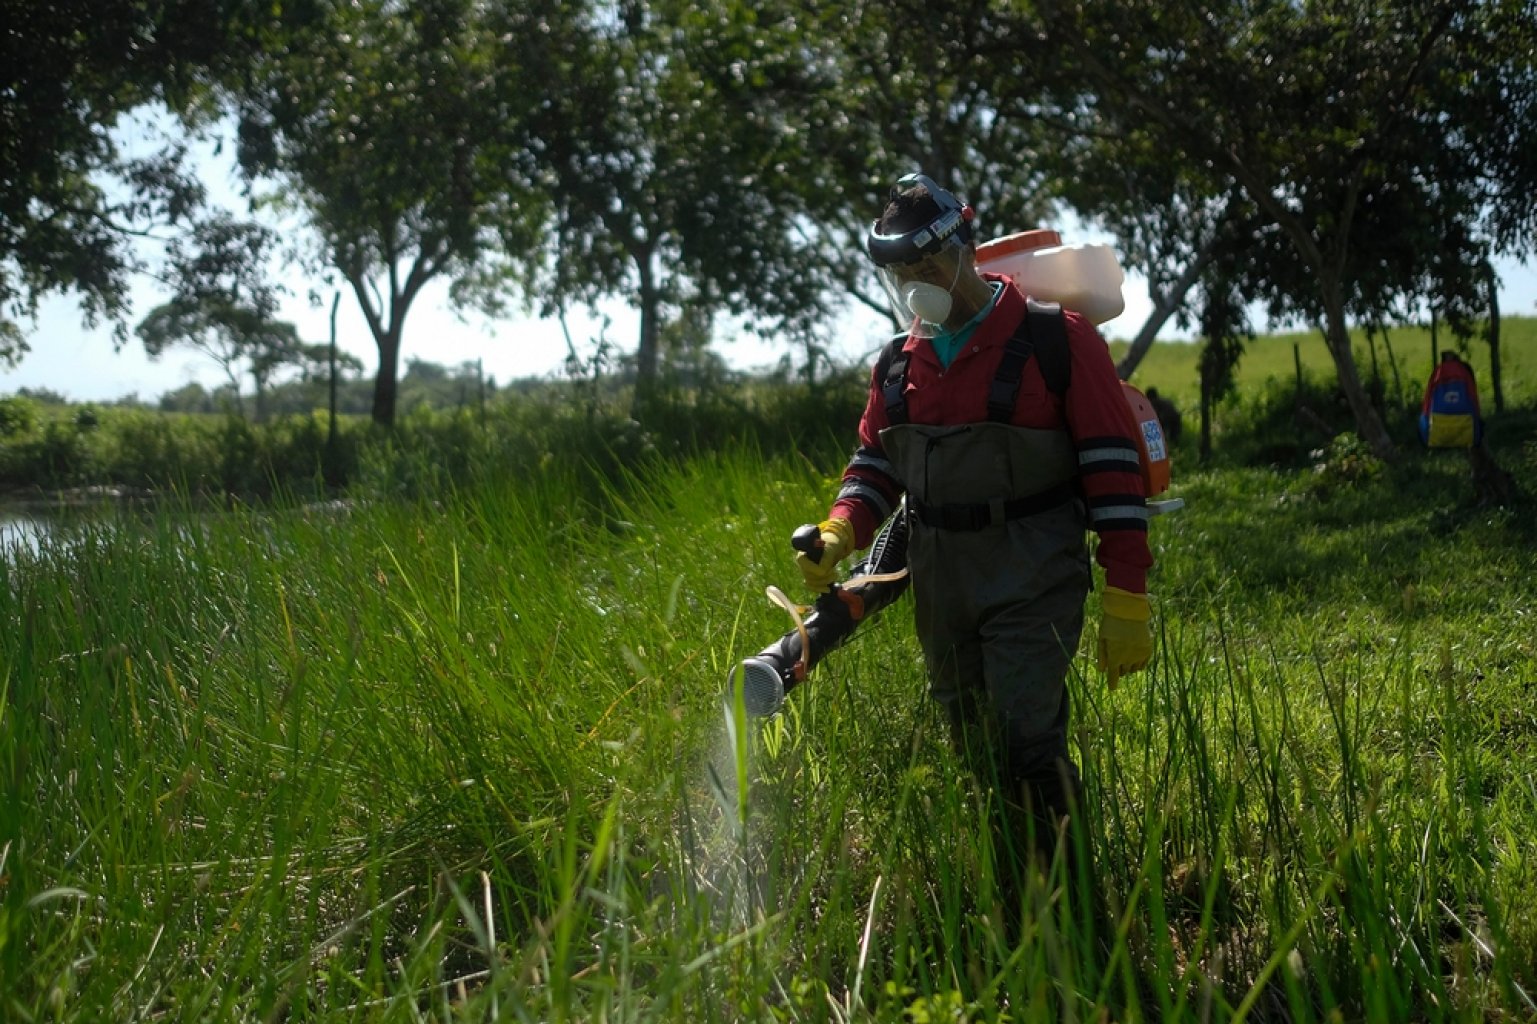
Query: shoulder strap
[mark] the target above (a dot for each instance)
(1049, 329)
(1043, 332)
(1004, 390)
(891, 369)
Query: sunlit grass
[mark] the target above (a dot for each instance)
(1403, 362)
(467, 759)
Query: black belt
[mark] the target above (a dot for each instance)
(990, 513)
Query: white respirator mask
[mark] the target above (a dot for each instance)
(929, 302)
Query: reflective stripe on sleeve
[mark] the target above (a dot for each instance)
(1108, 458)
(865, 459)
(867, 494)
(1119, 517)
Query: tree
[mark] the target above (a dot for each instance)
(230, 336)
(190, 397)
(396, 131)
(1320, 114)
(952, 90)
(224, 305)
(677, 169)
(69, 70)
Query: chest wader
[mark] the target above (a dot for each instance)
(999, 568)
(1000, 571)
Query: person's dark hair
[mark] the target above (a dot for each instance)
(907, 210)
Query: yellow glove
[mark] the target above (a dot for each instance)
(1125, 638)
(820, 569)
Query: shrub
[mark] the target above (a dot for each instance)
(156, 450)
(1345, 461)
(18, 416)
(61, 457)
(1280, 424)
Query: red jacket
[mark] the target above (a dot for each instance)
(1094, 412)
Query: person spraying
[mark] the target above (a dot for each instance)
(998, 426)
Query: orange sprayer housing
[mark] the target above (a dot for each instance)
(1151, 445)
(1020, 241)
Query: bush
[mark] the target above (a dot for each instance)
(1281, 424)
(1345, 462)
(157, 450)
(18, 416)
(62, 457)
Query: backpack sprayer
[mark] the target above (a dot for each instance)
(1082, 277)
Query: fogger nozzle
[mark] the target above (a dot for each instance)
(763, 688)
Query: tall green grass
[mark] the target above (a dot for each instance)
(466, 759)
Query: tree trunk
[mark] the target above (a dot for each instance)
(387, 338)
(650, 335)
(1204, 449)
(336, 300)
(426, 265)
(1337, 335)
(1495, 376)
(1164, 307)
(387, 383)
(234, 389)
(1398, 382)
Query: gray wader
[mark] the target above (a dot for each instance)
(999, 605)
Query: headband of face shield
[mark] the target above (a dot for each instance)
(919, 268)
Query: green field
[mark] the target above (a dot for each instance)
(466, 759)
(1403, 361)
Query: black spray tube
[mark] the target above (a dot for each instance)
(780, 667)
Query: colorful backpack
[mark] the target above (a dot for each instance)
(1449, 416)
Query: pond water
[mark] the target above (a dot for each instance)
(21, 530)
(29, 526)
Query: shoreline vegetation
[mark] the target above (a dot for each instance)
(456, 750)
(1283, 408)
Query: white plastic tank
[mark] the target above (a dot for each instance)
(1084, 278)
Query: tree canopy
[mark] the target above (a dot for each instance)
(712, 158)
(1356, 132)
(71, 203)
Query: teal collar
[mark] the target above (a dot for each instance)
(948, 344)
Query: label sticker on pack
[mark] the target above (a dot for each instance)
(1152, 437)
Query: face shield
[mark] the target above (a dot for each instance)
(923, 292)
(919, 268)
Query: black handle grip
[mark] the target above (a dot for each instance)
(808, 539)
